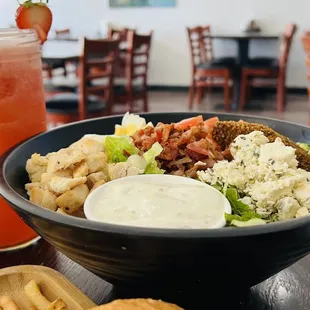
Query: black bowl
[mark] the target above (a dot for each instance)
(175, 265)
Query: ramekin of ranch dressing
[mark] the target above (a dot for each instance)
(158, 201)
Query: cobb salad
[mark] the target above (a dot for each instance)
(263, 174)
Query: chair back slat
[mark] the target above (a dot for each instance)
(286, 45)
(194, 37)
(138, 56)
(306, 45)
(201, 46)
(206, 44)
(120, 34)
(97, 62)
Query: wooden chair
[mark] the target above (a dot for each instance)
(136, 72)
(121, 34)
(207, 71)
(306, 45)
(70, 107)
(268, 68)
(118, 33)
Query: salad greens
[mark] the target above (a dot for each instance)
(304, 146)
(117, 147)
(251, 222)
(122, 149)
(241, 211)
(149, 156)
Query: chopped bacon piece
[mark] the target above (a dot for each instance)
(185, 150)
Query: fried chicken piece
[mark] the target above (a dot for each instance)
(60, 185)
(93, 178)
(47, 177)
(98, 184)
(29, 186)
(42, 198)
(81, 169)
(88, 146)
(224, 133)
(74, 199)
(63, 159)
(96, 162)
(36, 166)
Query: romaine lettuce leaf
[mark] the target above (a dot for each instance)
(245, 217)
(149, 156)
(241, 211)
(238, 207)
(117, 148)
(251, 222)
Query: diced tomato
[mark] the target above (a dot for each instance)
(189, 122)
(159, 135)
(209, 123)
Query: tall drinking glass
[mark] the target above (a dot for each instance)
(22, 115)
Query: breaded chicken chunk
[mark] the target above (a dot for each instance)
(47, 177)
(81, 169)
(36, 166)
(73, 199)
(88, 146)
(60, 185)
(98, 184)
(93, 178)
(42, 197)
(96, 162)
(64, 159)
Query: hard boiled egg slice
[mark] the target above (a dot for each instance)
(130, 124)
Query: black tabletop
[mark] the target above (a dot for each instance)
(288, 290)
(245, 35)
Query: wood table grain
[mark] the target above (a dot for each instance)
(288, 290)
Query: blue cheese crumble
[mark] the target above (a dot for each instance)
(266, 175)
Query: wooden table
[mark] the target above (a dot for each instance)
(288, 290)
(243, 40)
(66, 50)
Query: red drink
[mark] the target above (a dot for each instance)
(22, 113)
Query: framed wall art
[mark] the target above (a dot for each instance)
(141, 3)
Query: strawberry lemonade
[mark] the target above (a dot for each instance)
(22, 112)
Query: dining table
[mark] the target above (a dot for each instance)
(243, 40)
(61, 50)
(287, 290)
(67, 49)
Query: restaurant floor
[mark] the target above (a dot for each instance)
(295, 111)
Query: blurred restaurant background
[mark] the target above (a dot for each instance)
(108, 56)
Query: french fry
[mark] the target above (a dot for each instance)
(57, 304)
(34, 294)
(6, 303)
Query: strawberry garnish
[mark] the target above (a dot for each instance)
(35, 15)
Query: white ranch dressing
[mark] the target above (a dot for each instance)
(159, 201)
